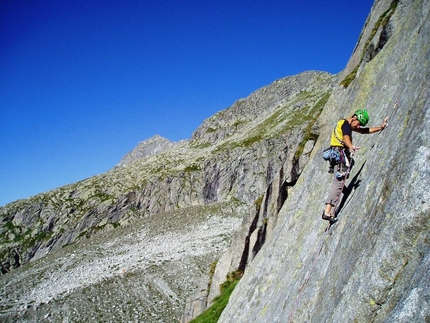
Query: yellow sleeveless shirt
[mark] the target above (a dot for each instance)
(336, 139)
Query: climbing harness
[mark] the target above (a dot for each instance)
(332, 155)
(336, 156)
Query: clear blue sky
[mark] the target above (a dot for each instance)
(83, 82)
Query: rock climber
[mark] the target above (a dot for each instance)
(341, 145)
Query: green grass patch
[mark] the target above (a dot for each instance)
(212, 314)
(199, 145)
(258, 202)
(238, 123)
(192, 168)
(350, 77)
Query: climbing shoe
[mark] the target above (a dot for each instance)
(329, 217)
(326, 216)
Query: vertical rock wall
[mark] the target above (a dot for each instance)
(373, 264)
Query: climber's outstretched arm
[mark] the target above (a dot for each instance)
(373, 129)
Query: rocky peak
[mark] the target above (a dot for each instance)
(147, 148)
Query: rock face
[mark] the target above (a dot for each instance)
(374, 264)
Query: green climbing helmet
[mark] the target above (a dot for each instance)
(362, 116)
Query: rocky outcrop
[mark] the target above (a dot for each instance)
(373, 265)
